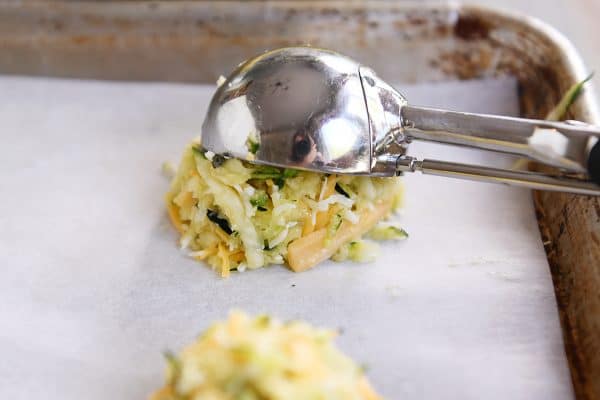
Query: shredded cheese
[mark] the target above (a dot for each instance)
(203, 254)
(224, 256)
(172, 212)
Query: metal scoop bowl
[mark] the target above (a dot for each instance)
(314, 109)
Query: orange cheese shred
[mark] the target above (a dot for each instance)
(238, 256)
(174, 217)
(307, 251)
(224, 256)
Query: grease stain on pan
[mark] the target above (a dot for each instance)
(469, 27)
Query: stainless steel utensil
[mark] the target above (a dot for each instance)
(317, 110)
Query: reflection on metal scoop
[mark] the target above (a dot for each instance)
(317, 110)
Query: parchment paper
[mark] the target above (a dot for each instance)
(93, 287)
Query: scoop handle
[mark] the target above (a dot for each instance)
(532, 180)
(559, 144)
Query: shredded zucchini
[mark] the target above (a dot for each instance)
(362, 251)
(333, 227)
(252, 144)
(232, 213)
(558, 113)
(387, 232)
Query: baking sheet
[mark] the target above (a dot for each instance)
(93, 287)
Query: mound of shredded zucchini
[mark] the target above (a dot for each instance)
(236, 216)
(263, 358)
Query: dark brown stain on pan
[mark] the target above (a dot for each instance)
(597, 208)
(549, 76)
(471, 28)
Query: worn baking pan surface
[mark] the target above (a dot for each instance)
(197, 41)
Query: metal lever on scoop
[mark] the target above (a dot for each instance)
(565, 145)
